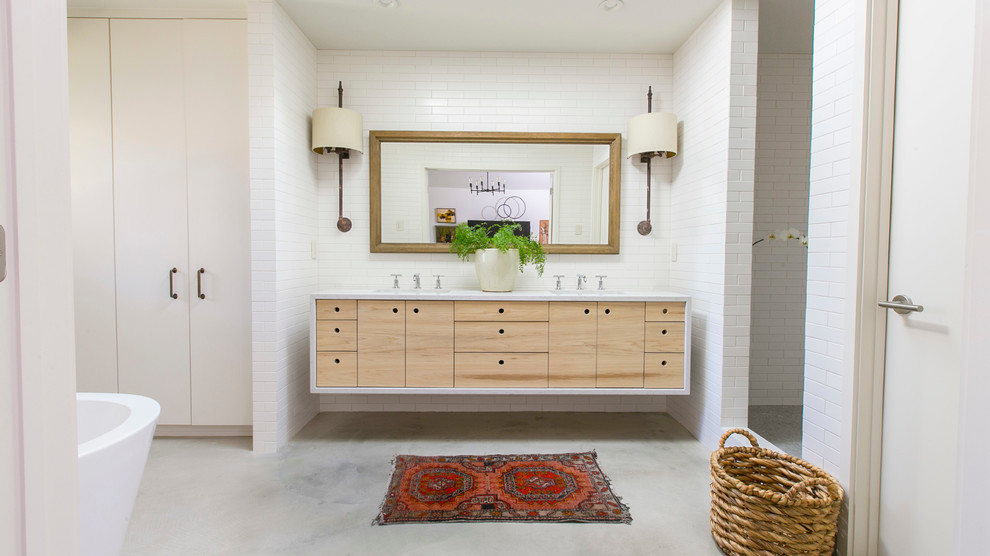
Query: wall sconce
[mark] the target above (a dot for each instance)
(338, 130)
(651, 134)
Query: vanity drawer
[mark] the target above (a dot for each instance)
(664, 370)
(501, 311)
(336, 309)
(501, 336)
(336, 335)
(665, 336)
(669, 311)
(336, 368)
(500, 370)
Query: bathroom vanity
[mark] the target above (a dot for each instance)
(463, 341)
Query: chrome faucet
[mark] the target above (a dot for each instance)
(416, 284)
(395, 281)
(438, 276)
(559, 286)
(601, 280)
(582, 279)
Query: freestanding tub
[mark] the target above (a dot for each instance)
(115, 432)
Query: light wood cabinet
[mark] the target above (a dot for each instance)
(500, 370)
(665, 345)
(620, 346)
(429, 344)
(381, 343)
(452, 344)
(573, 344)
(501, 336)
(172, 111)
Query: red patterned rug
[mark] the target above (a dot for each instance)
(529, 487)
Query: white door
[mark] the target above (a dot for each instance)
(927, 242)
(215, 65)
(149, 170)
(11, 460)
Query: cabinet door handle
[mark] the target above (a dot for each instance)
(199, 283)
(171, 283)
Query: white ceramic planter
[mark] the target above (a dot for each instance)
(496, 270)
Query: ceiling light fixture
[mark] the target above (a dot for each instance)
(611, 5)
(387, 3)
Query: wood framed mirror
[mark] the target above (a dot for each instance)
(562, 187)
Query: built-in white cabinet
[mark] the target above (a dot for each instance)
(158, 112)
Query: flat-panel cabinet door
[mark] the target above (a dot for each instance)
(381, 343)
(429, 344)
(216, 135)
(149, 167)
(573, 338)
(621, 340)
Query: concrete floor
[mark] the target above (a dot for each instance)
(780, 424)
(320, 493)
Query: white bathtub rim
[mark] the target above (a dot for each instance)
(144, 413)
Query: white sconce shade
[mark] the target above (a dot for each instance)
(654, 132)
(337, 128)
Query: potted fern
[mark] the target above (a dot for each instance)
(497, 256)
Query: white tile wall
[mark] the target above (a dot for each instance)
(711, 212)
(492, 91)
(296, 221)
(783, 136)
(831, 126)
(261, 90)
(282, 90)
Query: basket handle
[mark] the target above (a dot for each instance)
(744, 432)
(813, 482)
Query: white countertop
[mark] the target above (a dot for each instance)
(523, 295)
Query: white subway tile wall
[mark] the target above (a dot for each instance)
(493, 91)
(712, 204)
(282, 66)
(261, 115)
(830, 180)
(783, 136)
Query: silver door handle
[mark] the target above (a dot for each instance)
(902, 305)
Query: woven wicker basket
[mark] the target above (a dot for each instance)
(765, 502)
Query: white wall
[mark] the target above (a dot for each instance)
(492, 91)
(711, 212)
(828, 220)
(282, 68)
(783, 135)
(295, 221)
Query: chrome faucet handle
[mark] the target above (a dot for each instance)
(416, 284)
(395, 281)
(582, 279)
(601, 280)
(438, 276)
(559, 286)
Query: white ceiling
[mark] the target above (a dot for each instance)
(158, 8)
(645, 26)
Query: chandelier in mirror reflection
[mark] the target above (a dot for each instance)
(485, 185)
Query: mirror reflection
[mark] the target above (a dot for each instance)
(562, 194)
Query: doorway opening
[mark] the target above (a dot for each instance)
(780, 228)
